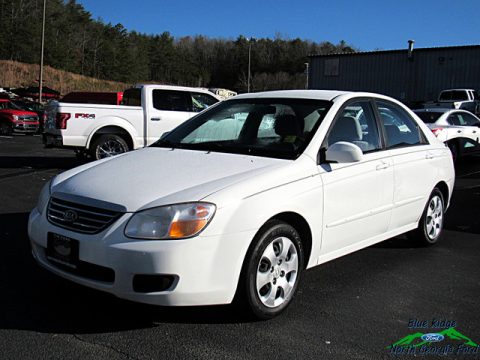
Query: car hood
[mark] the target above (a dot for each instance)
(158, 176)
(18, 112)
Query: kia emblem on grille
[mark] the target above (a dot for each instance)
(70, 216)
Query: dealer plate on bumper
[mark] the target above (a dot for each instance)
(62, 250)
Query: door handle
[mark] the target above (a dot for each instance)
(429, 156)
(382, 166)
(155, 119)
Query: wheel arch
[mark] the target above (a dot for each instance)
(301, 225)
(115, 130)
(443, 187)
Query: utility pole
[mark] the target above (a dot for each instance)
(307, 72)
(40, 85)
(249, 61)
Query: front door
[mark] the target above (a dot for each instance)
(358, 196)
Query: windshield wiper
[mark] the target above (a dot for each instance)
(167, 144)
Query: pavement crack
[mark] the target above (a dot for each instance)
(105, 346)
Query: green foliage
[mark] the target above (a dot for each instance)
(77, 43)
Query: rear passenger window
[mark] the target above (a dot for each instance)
(132, 97)
(400, 129)
(357, 125)
(170, 100)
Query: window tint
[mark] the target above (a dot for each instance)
(170, 100)
(132, 97)
(357, 125)
(454, 95)
(400, 129)
(201, 101)
(428, 117)
(470, 120)
(454, 120)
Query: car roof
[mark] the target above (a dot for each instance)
(435, 110)
(328, 95)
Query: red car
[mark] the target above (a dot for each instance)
(14, 119)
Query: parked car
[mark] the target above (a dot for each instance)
(15, 119)
(146, 112)
(35, 107)
(465, 99)
(459, 129)
(235, 203)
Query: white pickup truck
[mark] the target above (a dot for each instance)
(147, 111)
(465, 99)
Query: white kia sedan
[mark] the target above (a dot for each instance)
(238, 201)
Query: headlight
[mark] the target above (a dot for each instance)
(15, 117)
(170, 222)
(44, 197)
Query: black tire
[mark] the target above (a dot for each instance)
(453, 146)
(6, 129)
(430, 228)
(285, 281)
(108, 145)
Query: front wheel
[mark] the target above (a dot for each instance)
(272, 270)
(431, 224)
(107, 146)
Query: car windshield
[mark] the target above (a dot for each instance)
(280, 128)
(8, 105)
(429, 117)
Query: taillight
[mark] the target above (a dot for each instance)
(61, 120)
(436, 131)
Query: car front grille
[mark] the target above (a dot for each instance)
(78, 217)
(28, 118)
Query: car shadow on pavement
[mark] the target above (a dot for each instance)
(34, 299)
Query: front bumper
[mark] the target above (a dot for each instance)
(206, 269)
(25, 127)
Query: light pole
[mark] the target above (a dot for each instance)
(40, 86)
(307, 65)
(252, 39)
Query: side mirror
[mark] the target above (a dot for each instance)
(343, 152)
(164, 134)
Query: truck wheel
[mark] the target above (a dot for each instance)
(5, 129)
(107, 146)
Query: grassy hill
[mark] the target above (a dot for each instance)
(17, 74)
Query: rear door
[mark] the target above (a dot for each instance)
(415, 167)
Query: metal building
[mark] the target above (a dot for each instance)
(410, 75)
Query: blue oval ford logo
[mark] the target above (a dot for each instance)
(433, 337)
(70, 216)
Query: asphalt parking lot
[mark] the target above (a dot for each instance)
(351, 308)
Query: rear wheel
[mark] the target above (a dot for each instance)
(107, 146)
(272, 270)
(430, 226)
